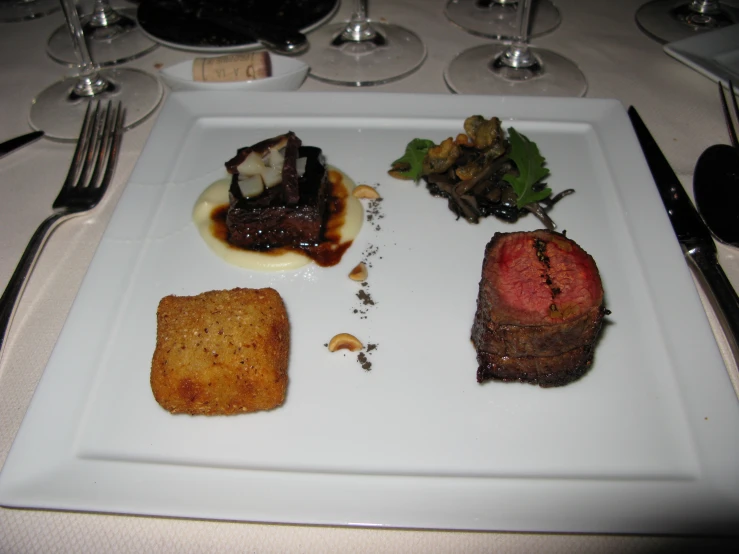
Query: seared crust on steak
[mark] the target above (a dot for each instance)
(547, 371)
(539, 309)
(509, 339)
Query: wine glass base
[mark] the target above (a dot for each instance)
(111, 45)
(59, 112)
(18, 10)
(498, 21)
(397, 53)
(474, 71)
(671, 20)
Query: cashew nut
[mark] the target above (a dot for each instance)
(359, 273)
(344, 341)
(365, 191)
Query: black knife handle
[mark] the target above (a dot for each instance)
(720, 293)
(13, 144)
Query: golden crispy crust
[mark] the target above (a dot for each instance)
(221, 352)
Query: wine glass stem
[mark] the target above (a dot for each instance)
(707, 7)
(103, 15)
(518, 55)
(359, 28)
(89, 83)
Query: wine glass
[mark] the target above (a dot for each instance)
(497, 18)
(515, 68)
(21, 10)
(671, 20)
(113, 37)
(361, 52)
(59, 109)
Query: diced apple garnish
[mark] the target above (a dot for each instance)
(281, 144)
(271, 176)
(252, 165)
(276, 159)
(251, 186)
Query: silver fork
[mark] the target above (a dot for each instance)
(88, 178)
(727, 115)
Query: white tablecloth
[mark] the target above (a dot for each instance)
(679, 105)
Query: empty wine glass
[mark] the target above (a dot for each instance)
(59, 109)
(362, 52)
(21, 10)
(113, 37)
(671, 20)
(497, 18)
(515, 68)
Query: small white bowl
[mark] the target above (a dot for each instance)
(287, 74)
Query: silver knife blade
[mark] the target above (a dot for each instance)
(13, 144)
(686, 221)
(692, 234)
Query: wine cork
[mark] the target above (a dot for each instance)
(248, 66)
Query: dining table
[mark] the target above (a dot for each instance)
(678, 104)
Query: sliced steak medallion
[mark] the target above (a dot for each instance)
(539, 309)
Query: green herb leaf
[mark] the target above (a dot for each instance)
(530, 163)
(410, 165)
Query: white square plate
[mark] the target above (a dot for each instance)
(714, 54)
(646, 441)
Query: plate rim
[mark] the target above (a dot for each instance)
(19, 482)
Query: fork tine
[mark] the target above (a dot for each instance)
(734, 105)
(727, 115)
(115, 146)
(94, 158)
(81, 148)
(103, 145)
(93, 140)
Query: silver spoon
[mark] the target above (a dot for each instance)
(716, 181)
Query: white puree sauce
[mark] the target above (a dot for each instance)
(217, 195)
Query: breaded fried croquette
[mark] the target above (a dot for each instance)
(221, 352)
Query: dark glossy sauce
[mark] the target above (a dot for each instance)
(326, 253)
